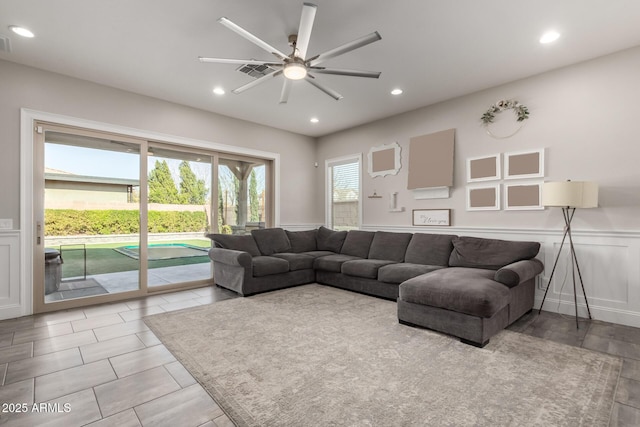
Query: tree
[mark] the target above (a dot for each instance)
(254, 205)
(162, 188)
(193, 191)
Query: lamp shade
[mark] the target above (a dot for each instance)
(573, 194)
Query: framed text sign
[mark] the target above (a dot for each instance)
(432, 217)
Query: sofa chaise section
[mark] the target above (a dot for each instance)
(489, 285)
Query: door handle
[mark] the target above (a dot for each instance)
(38, 233)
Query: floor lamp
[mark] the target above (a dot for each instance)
(569, 195)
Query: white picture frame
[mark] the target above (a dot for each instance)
(527, 199)
(483, 197)
(524, 164)
(477, 168)
(394, 158)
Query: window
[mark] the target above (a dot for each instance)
(344, 205)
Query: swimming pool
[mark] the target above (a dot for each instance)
(160, 251)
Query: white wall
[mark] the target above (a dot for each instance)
(586, 118)
(24, 87)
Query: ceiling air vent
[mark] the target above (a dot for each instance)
(5, 43)
(255, 71)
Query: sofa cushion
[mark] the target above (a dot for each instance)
(464, 290)
(316, 254)
(332, 262)
(244, 243)
(302, 241)
(357, 243)
(367, 268)
(429, 249)
(490, 253)
(296, 261)
(391, 246)
(271, 240)
(267, 265)
(398, 273)
(330, 240)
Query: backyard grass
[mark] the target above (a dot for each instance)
(102, 258)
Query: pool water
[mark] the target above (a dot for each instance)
(159, 251)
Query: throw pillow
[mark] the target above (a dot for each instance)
(243, 243)
(271, 240)
(302, 241)
(330, 240)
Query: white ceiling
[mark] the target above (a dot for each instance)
(433, 49)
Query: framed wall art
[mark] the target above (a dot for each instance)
(384, 160)
(524, 164)
(431, 217)
(523, 196)
(485, 168)
(483, 198)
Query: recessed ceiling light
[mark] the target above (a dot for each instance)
(396, 92)
(549, 36)
(218, 91)
(21, 31)
(314, 120)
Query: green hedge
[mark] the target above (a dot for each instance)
(68, 222)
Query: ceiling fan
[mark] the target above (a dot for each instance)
(297, 66)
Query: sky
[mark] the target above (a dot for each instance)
(113, 164)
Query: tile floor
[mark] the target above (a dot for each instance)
(111, 370)
(105, 365)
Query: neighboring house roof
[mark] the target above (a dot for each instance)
(65, 176)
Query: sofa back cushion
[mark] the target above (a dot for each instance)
(271, 240)
(430, 249)
(390, 246)
(491, 254)
(357, 243)
(243, 243)
(330, 240)
(302, 241)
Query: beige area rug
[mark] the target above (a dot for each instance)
(318, 356)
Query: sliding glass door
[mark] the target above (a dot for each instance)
(119, 217)
(242, 199)
(179, 215)
(89, 209)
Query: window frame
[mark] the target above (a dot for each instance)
(329, 164)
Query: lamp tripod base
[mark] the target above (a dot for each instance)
(568, 213)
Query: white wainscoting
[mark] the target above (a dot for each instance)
(11, 300)
(609, 263)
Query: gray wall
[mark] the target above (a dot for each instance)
(25, 87)
(585, 116)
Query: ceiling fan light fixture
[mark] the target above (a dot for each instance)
(295, 71)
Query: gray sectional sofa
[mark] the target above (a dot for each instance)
(468, 287)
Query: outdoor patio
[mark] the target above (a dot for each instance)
(128, 281)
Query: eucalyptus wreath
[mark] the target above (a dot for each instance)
(520, 110)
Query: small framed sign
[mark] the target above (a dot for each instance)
(432, 217)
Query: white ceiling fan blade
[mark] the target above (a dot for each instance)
(348, 47)
(256, 82)
(332, 93)
(286, 89)
(238, 61)
(304, 31)
(343, 72)
(253, 39)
